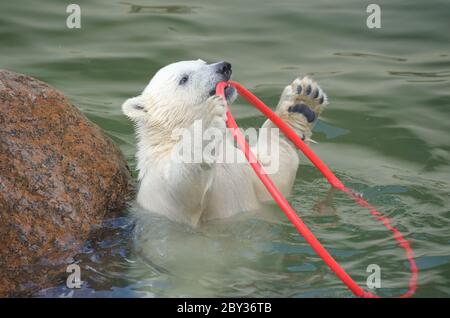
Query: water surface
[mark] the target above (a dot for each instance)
(385, 133)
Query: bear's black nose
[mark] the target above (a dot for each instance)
(224, 68)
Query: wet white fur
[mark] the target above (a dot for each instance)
(196, 192)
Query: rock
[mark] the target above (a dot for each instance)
(59, 176)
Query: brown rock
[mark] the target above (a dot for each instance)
(59, 175)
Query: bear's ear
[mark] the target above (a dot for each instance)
(134, 107)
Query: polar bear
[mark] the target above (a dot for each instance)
(182, 94)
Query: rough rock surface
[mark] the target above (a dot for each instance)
(59, 175)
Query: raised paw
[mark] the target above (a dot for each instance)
(215, 113)
(303, 96)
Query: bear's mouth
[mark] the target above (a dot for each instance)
(229, 92)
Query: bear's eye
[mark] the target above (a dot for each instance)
(184, 79)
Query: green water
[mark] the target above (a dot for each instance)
(385, 133)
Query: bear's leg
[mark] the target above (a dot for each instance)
(300, 106)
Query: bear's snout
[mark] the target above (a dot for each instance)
(224, 68)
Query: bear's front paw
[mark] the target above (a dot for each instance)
(301, 104)
(215, 116)
(304, 96)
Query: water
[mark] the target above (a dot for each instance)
(385, 134)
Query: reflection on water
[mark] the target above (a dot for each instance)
(385, 134)
(369, 55)
(136, 8)
(421, 74)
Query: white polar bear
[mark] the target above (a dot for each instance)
(182, 94)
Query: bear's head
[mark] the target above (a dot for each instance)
(179, 89)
